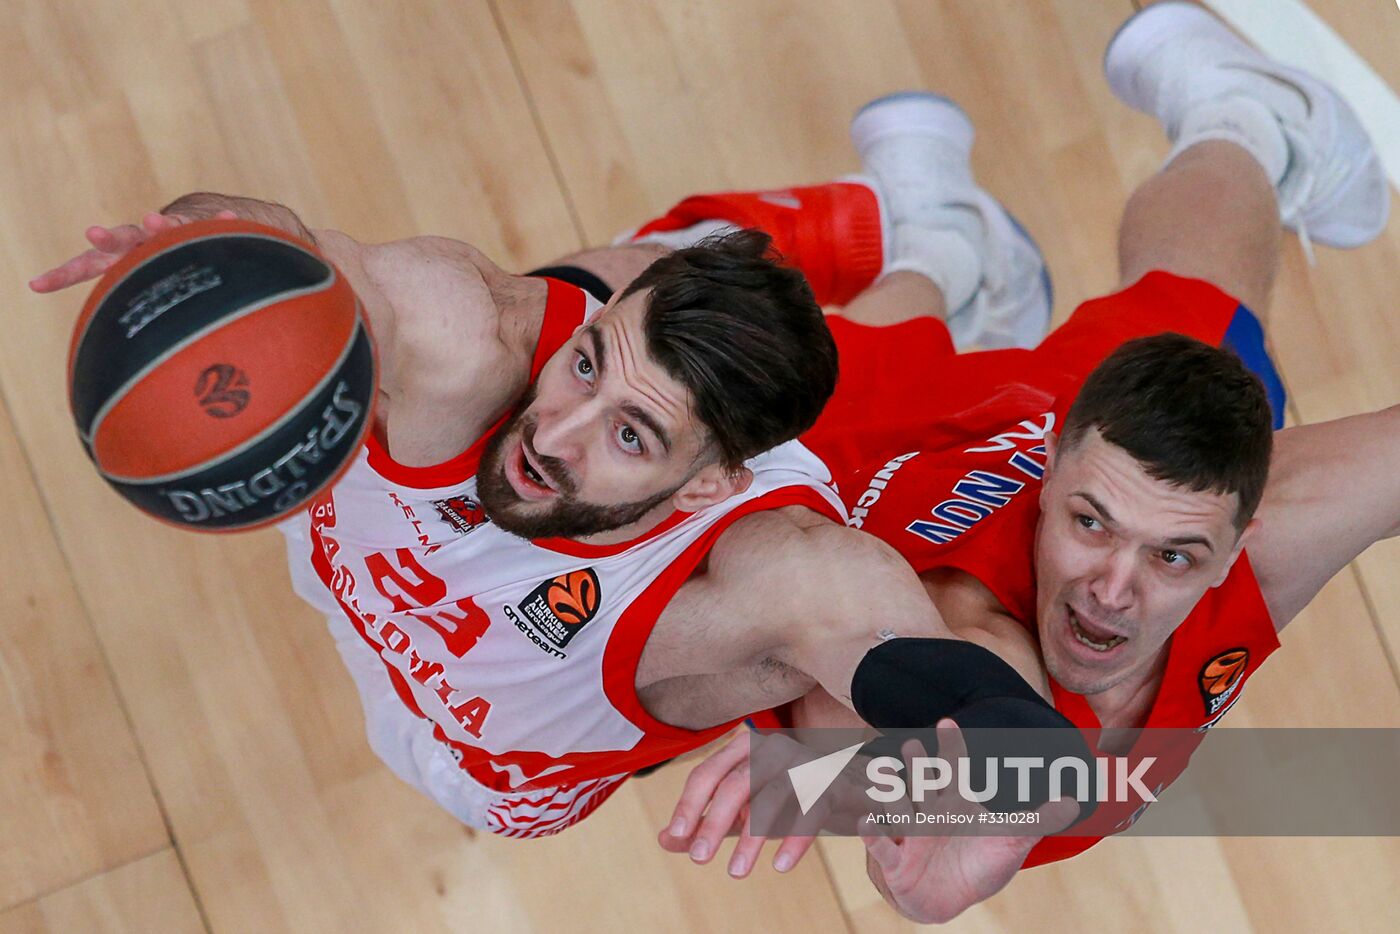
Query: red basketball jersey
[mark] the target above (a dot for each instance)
(942, 455)
(972, 503)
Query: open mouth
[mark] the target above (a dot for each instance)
(1089, 635)
(526, 479)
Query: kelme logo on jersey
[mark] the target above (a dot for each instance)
(1221, 676)
(461, 513)
(560, 607)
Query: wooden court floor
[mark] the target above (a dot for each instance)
(179, 746)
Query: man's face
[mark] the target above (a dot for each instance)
(603, 439)
(1121, 559)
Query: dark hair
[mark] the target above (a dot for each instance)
(745, 336)
(1189, 413)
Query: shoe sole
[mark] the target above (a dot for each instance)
(903, 111)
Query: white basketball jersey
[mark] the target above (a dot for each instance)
(498, 673)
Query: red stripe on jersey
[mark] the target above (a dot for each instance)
(583, 799)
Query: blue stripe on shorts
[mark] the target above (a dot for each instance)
(1245, 337)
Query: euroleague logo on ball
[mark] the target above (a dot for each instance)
(222, 390)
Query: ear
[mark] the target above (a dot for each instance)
(1245, 535)
(712, 484)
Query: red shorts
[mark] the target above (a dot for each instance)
(904, 388)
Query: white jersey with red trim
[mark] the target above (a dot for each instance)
(497, 674)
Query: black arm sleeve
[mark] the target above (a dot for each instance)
(909, 684)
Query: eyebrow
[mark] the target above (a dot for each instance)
(600, 362)
(630, 409)
(1174, 542)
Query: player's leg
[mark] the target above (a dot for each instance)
(939, 223)
(1209, 214)
(916, 209)
(1253, 142)
(831, 232)
(959, 272)
(896, 297)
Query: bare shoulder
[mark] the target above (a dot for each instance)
(815, 579)
(450, 307)
(796, 554)
(754, 552)
(438, 309)
(418, 293)
(782, 529)
(760, 561)
(437, 287)
(799, 537)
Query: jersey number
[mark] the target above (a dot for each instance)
(410, 588)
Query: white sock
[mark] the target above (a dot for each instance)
(685, 237)
(1243, 121)
(948, 257)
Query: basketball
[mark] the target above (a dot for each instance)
(220, 375)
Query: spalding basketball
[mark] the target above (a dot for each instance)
(221, 374)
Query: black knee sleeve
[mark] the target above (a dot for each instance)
(907, 684)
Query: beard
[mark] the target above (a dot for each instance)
(564, 516)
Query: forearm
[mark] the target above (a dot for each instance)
(199, 205)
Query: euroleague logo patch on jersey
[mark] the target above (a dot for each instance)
(561, 606)
(461, 513)
(1221, 677)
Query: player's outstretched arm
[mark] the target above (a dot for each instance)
(1333, 491)
(846, 611)
(793, 588)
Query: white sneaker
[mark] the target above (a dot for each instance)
(1173, 56)
(917, 147)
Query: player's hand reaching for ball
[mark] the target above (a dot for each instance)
(110, 244)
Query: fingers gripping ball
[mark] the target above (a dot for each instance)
(221, 375)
